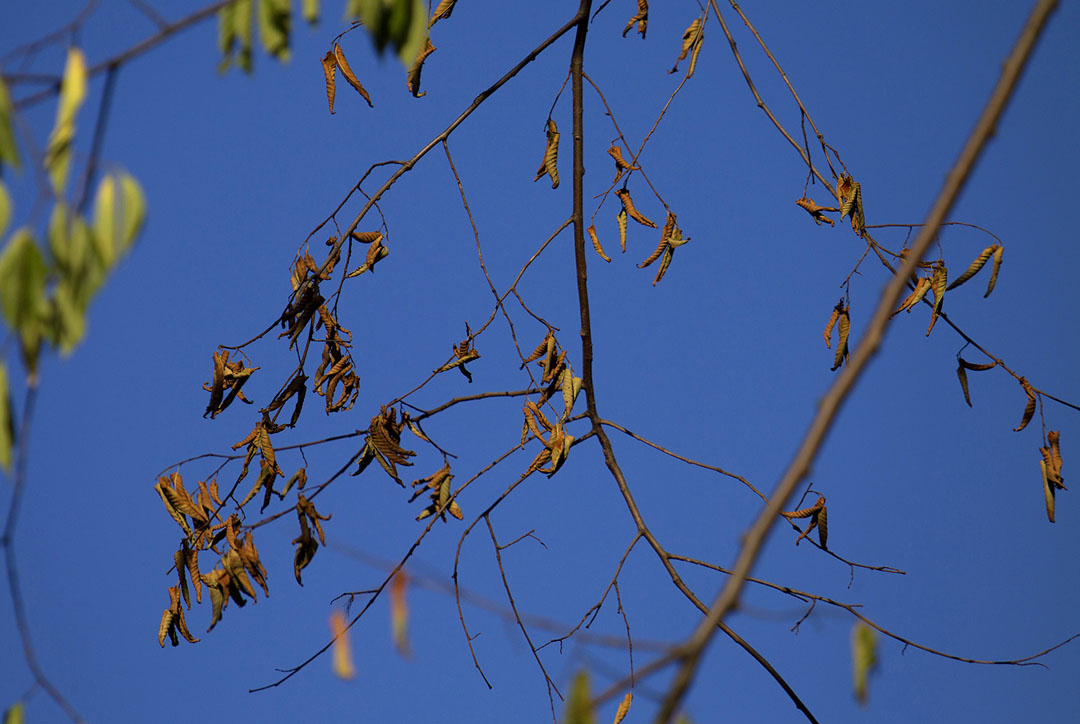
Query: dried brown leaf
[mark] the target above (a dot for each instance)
(413, 81)
(329, 66)
(343, 66)
(596, 243)
(1029, 408)
(631, 211)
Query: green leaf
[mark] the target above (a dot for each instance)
(77, 263)
(8, 152)
(399, 24)
(275, 19)
(134, 211)
(58, 153)
(311, 11)
(105, 240)
(7, 424)
(22, 292)
(234, 29)
(578, 710)
(863, 658)
(68, 318)
(14, 715)
(5, 208)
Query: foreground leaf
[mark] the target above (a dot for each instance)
(59, 151)
(343, 659)
(863, 659)
(578, 705)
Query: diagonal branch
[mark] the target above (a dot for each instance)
(868, 346)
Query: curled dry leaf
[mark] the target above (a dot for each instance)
(691, 40)
(1029, 408)
(961, 372)
(442, 11)
(462, 353)
(596, 243)
(840, 319)
(329, 66)
(641, 17)
(631, 211)
(550, 164)
(941, 276)
(818, 515)
(548, 342)
(621, 219)
(621, 164)
(413, 81)
(850, 193)
(343, 66)
(624, 707)
(817, 212)
(975, 266)
(922, 286)
(994, 272)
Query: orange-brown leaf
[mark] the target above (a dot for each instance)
(1029, 408)
(343, 660)
(329, 67)
(631, 211)
(413, 81)
(343, 65)
(399, 613)
(596, 243)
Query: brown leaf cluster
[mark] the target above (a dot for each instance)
(305, 543)
(438, 483)
(670, 238)
(1050, 465)
(228, 377)
(818, 515)
(641, 17)
(383, 443)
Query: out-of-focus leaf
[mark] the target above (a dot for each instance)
(275, 21)
(22, 291)
(234, 29)
(133, 211)
(399, 613)
(58, 152)
(8, 152)
(7, 422)
(399, 24)
(14, 714)
(311, 11)
(68, 318)
(863, 658)
(578, 708)
(343, 660)
(624, 707)
(105, 221)
(5, 208)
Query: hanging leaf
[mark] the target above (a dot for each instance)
(633, 213)
(961, 373)
(1029, 408)
(343, 66)
(817, 212)
(7, 422)
(818, 516)
(234, 32)
(551, 155)
(275, 21)
(9, 153)
(624, 707)
(621, 164)
(15, 714)
(343, 659)
(850, 193)
(596, 243)
(311, 11)
(578, 705)
(59, 150)
(840, 319)
(922, 286)
(641, 17)
(22, 292)
(975, 266)
(417, 67)
(621, 219)
(401, 25)
(941, 276)
(691, 39)
(329, 67)
(399, 613)
(863, 659)
(994, 272)
(442, 12)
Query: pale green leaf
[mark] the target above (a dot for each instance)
(105, 240)
(68, 318)
(77, 263)
(22, 292)
(14, 715)
(8, 152)
(311, 11)
(5, 209)
(275, 20)
(398, 24)
(58, 153)
(133, 213)
(7, 422)
(578, 708)
(863, 658)
(234, 33)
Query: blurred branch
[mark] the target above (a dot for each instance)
(868, 346)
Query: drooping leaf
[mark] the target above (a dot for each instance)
(400, 25)
(621, 164)
(7, 421)
(578, 705)
(691, 39)
(624, 707)
(975, 266)
(22, 292)
(1029, 408)
(343, 660)
(621, 219)
(596, 243)
(631, 211)
(343, 66)
(234, 32)
(442, 12)
(1048, 491)
(59, 150)
(5, 209)
(15, 714)
(399, 613)
(998, 253)
(961, 373)
(550, 164)
(311, 11)
(275, 21)
(817, 212)
(641, 17)
(863, 659)
(921, 288)
(9, 153)
(941, 276)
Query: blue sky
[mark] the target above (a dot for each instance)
(723, 362)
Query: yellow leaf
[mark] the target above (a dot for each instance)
(976, 265)
(596, 243)
(343, 66)
(624, 707)
(641, 17)
(14, 715)
(1048, 491)
(343, 660)
(551, 155)
(621, 218)
(941, 276)
(578, 706)
(399, 613)
(58, 152)
(7, 423)
(863, 658)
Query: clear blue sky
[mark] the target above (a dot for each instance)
(723, 362)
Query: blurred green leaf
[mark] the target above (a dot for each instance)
(578, 708)
(863, 658)
(105, 228)
(311, 11)
(275, 20)
(77, 263)
(7, 429)
(5, 209)
(234, 32)
(22, 292)
(58, 153)
(133, 211)
(8, 152)
(68, 318)
(14, 715)
(399, 24)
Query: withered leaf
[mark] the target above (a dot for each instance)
(550, 164)
(413, 81)
(922, 286)
(1029, 408)
(596, 243)
(442, 11)
(641, 17)
(994, 272)
(329, 66)
(975, 266)
(621, 164)
(343, 66)
(631, 211)
(817, 212)
(691, 39)
(941, 275)
(621, 219)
